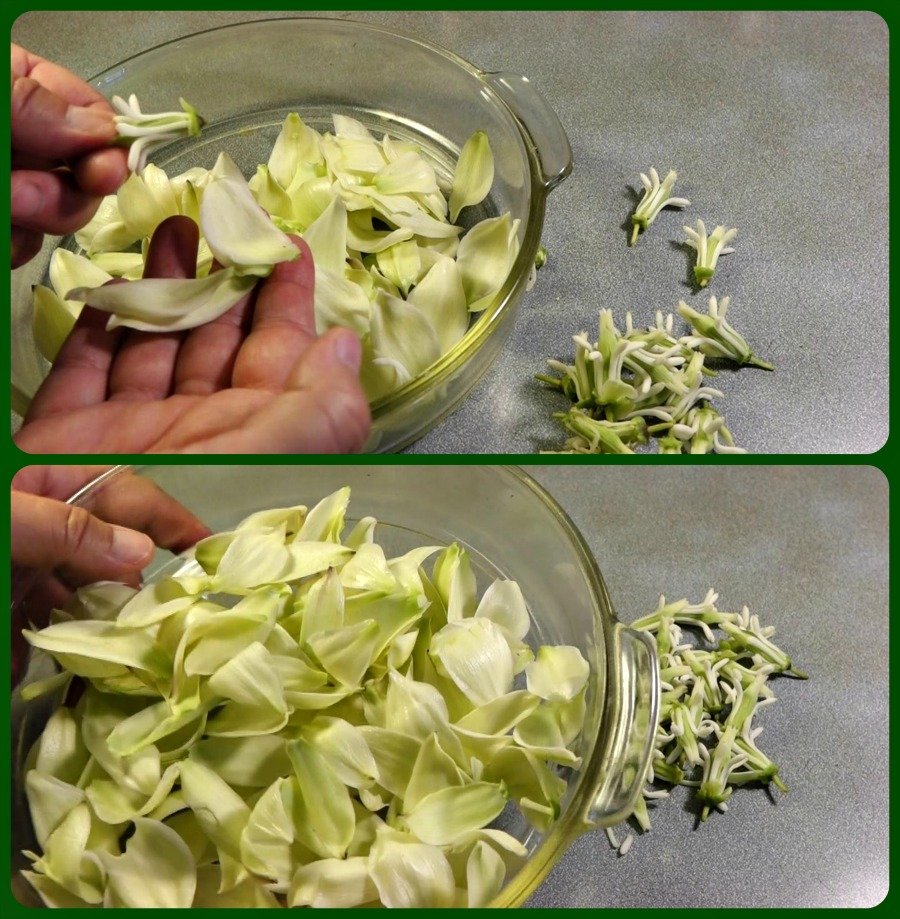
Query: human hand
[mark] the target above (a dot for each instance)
(56, 547)
(62, 161)
(256, 380)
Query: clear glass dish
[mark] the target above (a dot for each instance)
(480, 507)
(244, 79)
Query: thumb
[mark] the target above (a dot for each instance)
(45, 125)
(48, 534)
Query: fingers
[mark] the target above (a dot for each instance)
(57, 79)
(47, 534)
(145, 364)
(43, 123)
(330, 412)
(102, 171)
(49, 202)
(80, 373)
(283, 324)
(24, 245)
(133, 501)
(206, 359)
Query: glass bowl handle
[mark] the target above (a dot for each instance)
(540, 122)
(634, 709)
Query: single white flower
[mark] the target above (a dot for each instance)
(709, 248)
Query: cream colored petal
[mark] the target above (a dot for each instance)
(474, 174)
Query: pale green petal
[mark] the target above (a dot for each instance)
(504, 604)
(410, 874)
(102, 641)
(333, 883)
(419, 222)
(106, 231)
(154, 603)
(167, 304)
(309, 198)
(473, 176)
(324, 611)
(54, 895)
(266, 842)
(270, 196)
(327, 238)
(249, 894)
(64, 858)
(415, 709)
(475, 654)
(239, 232)
(540, 733)
(558, 673)
(486, 254)
(247, 762)
(102, 714)
(442, 300)
(340, 302)
(68, 270)
(400, 332)
(128, 265)
(433, 770)
(368, 570)
(307, 558)
(326, 819)
(363, 532)
(347, 653)
(485, 874)
(153, 852)
(405, 568)
(149, 725)
(218, 637)
(145, 201)
(395, 755)
(253, 557)
(409, 173)
(49, 801)
(296, 144)
(52, 321)
(345, 749)
(401, 264)
(113, 804)
(60, 752)
(219, 810)
(400, 650)
(325, 521)
(250, 679)
(362, 236)
(448, 814)
(291, 517)
(501, 714)
(345, 126)
(455, 582)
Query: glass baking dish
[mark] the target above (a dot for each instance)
(245, 78)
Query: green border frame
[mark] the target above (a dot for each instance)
(885, 459)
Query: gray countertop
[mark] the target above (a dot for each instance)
(806, 549)
(777, 124)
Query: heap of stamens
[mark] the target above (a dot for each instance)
(711, 690)
(628, 386)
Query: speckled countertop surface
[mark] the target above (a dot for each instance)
(806, 549)
(772, 130)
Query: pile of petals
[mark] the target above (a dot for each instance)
(293, 718)
(628, 387)
(392, 262)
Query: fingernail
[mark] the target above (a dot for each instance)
(89, 121)
(26, 200)
(347, 349)
(130, 547)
